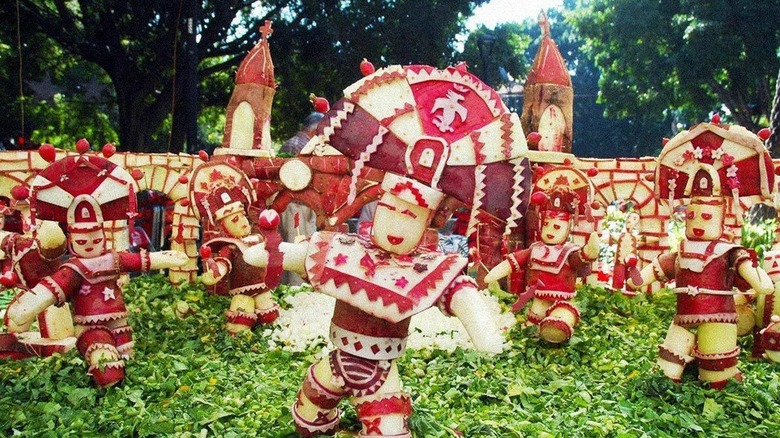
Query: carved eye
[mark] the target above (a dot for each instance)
(97, 241)
(235, 219)
(81, 241)
(690, 215)
(409, 213)
(385, 205)
(706, 216)
(557, 226)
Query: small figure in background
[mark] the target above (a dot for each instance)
(766, 332)
(221, 194)
(628, 243)
(552, 266)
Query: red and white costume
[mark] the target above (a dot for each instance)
(766, 333)
(552, 270)
(704, 280)
(91, 285)
(369, 337)
(244, 278)
(84, 192)
(706, 166)
(220, 192)
(447, 133)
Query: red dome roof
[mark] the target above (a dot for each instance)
(549, 66)
(257, 67)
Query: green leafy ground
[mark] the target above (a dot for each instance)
(190, 379)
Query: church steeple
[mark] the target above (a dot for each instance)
(548, 106)
(257, 67)
(248, 121)
(549, 66)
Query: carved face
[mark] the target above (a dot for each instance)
(399, 225)
(87, 245)
(632, 222)
(704, 222)
(554, 230)
(236, 225)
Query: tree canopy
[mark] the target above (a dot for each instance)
(115, 70)
(595, 134)
(686, 56)
(138, 45)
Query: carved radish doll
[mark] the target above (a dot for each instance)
(84, 191)
(435, 133)
(234, 257)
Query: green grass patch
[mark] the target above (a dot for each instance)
(190, 379)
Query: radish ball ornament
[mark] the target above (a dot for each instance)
(320, 104)
(366, 67)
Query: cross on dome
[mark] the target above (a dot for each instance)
(265, 29)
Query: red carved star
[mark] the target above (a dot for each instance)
(340, 259)
(401, 282)
(369, 264)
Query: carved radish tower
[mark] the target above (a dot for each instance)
(549, 97)
(248, 121)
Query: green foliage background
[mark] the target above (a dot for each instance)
(190, 379)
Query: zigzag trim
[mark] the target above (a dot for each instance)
(479, 194)
(506, 129)
(103, 317)
(377, 80)
(686, 320)
(335, 121)
(398, 112)
(318, 259)
(479, 156)
(517, 198)
(494, 103)
(361, 162)
(404, 304)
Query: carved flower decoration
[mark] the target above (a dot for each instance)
(732, 183)
(727, 159)
(698, 153)
(340, 259)
(717, 153)
(731, 172)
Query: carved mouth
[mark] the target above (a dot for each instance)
(88, 249)
(395, 240)
(550, 236)
(698, 232)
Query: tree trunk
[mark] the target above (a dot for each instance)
(773, 143)
(132, 136)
